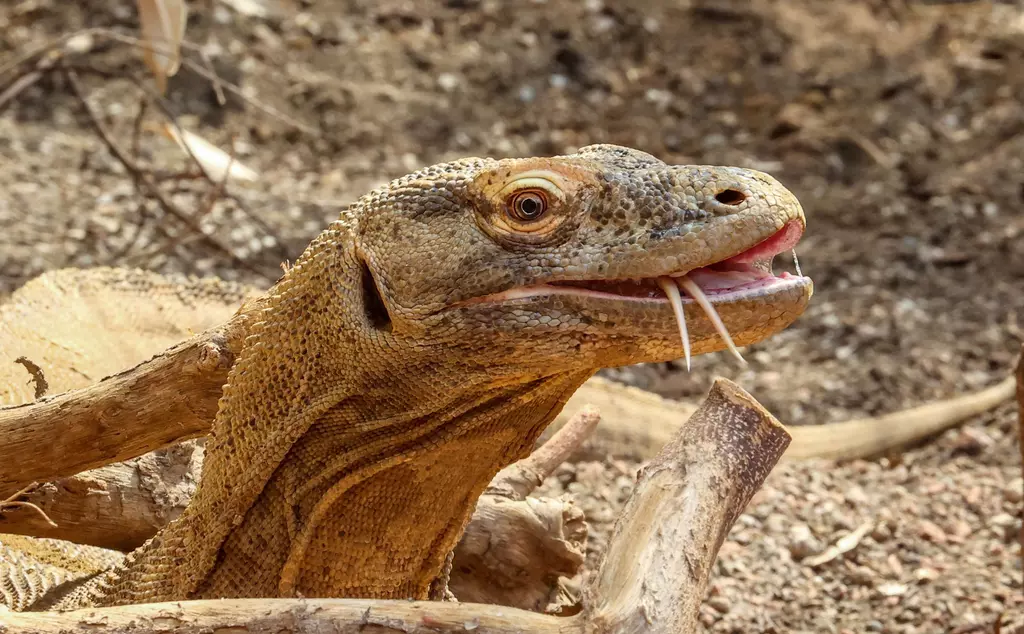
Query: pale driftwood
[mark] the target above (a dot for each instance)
(170, 398)
(519, 553)
(660, 554)
(653, 579)
(118, 506)
(295, 616)
(637, 424)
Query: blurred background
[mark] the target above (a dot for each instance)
(899, 125)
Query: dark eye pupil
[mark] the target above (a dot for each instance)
(529, 207)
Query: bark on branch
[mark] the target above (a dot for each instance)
(653, 578)
(660, 555)
(170, 398)
(118, 506)
(297, 616)
(517, 551)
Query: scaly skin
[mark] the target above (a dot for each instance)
(423, 342)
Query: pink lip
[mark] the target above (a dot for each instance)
(782, 240)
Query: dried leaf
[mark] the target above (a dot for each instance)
(163, 28)
(215, 162)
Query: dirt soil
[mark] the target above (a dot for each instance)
(898, 124)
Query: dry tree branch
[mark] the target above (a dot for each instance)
(162, 401)
(660, 554)
(117, 507)
(297, 616)
(652, 580)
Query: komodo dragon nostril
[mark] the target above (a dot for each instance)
(730, 197)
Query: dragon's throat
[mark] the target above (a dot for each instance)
(369, 508)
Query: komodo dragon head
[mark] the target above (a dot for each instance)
(576, 261)
(426, 338)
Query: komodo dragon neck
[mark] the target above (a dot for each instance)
(361, 450)
(424, 341)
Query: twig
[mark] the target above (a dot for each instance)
(16, 87)
(845, 544)
(143, 180)
(215, 79)
(519, 479)
(13, 502)
(137, 127)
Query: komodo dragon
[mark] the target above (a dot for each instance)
(422, 342)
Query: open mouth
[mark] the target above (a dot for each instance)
(743, 276)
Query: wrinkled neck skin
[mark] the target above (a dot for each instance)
(344, 461)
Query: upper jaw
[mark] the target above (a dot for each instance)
(746, 273)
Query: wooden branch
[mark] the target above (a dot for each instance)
(518, 552)
(296, 616)
(170, 398)
(118, 506)
(520, 478)
(660, 554)
(1020, 430)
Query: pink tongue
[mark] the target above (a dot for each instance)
(783, 240)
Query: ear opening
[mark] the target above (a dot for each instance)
(373, 302)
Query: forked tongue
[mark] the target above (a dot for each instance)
(702, 300)
(668, 285)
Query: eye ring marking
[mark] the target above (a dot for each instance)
(528, 205)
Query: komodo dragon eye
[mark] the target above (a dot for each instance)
(528, 205)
